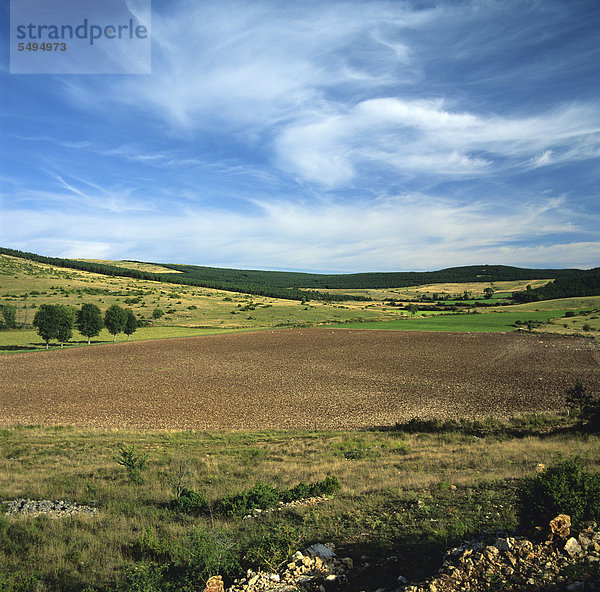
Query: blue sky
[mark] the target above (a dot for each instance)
(319, 136)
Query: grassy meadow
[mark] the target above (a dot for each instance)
(408, 494)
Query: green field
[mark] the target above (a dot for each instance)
(492, 321)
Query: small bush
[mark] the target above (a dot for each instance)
(273, 546)
(19, 583)
(143, 577)
(260, 496)
(263, 496)
(207, 553)
(133, 462)
(190, 502)
(564, 488)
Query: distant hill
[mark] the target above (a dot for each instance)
(400, 279)
(572, 285)
(302, 286)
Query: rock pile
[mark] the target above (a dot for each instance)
(516, 563)
(484, 564)
(50, 508)
(310, 571)
(307, 501)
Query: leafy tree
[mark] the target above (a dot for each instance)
(65, 322)
(45, 322)
(8, 312)
(412, 308)
(157, 313)
(488, 292)
(130, 324)
(115, 319)
(54, 321)
(89, 321)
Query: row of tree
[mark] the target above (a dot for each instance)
(57, 321)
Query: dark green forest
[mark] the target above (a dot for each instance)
(582, 283)
(354, 281)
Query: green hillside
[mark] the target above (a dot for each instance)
(300, 286)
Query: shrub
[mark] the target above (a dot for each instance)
(207, 553)
(273, 546)
(190, 502)
(564, 488)
(260, 496)
(585, 405)
(133, 462)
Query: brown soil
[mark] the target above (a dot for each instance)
(288, 379)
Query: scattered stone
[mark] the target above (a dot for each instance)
(51, 508)
(509, 561)
(307, 571)
(513, 560)
(309, 501)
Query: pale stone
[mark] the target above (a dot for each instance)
(320, 550)
(561, 526)
(573, 548)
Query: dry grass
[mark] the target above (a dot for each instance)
(371, 512)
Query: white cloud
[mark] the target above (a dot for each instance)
(397, 233)
(426, 137)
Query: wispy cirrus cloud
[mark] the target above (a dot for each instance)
(427, 137)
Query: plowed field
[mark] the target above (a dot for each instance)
(288, 379)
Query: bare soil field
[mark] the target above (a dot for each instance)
(294, 379)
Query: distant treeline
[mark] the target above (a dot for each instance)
(581, 283)
(355, 281)
(187, 279)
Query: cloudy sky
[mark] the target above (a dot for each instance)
(322, 136)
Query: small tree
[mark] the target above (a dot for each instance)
(115, 319)
(412, 308)
(65, 323)
(45, 322)
(586, 405)
(488, 292)
(131, 324)
(8, 316)
(89, 321)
